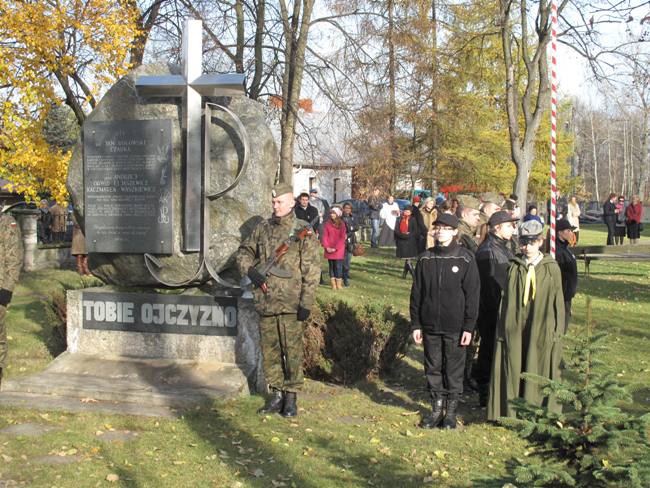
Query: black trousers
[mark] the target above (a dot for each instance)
(483, 366)
(444, 364)
(610, 232)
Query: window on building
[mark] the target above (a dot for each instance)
(337, 189)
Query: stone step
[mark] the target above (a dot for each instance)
(142, 382)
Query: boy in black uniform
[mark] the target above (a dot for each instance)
(444, 307)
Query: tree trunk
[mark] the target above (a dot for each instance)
(296, 30)
(595, 153)
(145, 23)
(392, 110)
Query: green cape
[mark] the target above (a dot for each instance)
(528, 338)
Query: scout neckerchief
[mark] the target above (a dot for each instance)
(530, 287)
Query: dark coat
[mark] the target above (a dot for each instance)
(445, 291)
(308, 214)
(408, 245)
(569, 269)
(528, 338)
(609, 213)
(351, 225)
(493, 260)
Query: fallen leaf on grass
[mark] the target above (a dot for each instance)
(406, 414)
(89, 400)
(7, 459)
(440, 454)
(258, 473)
(112, 478)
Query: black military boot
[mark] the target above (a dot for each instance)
(273, 404)
(290, 409)
(436, 415)
(449, 422)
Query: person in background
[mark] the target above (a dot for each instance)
(443, 309)
(321, 205)
(333, 239)
(375, 203)
(306, 211)
(633, 216)
(529, 328)
(619, 226)
(351, 227)
(573, 216)
(568, 267)
(493, 259)
(389, 213)
(454, 204)
(407, 237)
(488, 207)
(59, 222)
(532, 215)
(428, 215)
(44, 223)
(78, 248)
(609, 217)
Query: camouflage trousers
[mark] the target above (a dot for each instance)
(3, 338)
(282, 351)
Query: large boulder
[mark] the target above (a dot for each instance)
(232, 216)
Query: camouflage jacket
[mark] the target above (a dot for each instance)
(11, 252)
(302, 259)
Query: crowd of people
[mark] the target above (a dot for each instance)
(622, 219)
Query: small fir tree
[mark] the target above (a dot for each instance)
(593, 443)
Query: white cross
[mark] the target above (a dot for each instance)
(192, 86)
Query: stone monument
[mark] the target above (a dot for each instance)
(172, 174)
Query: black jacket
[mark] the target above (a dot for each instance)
(308, 214)
(351, 226)
(609, 212)
(492, 259)
(567, 263)
(407, 245)
(445, 291)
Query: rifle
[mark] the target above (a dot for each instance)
(270, 268)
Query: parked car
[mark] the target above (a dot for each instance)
(402, 203)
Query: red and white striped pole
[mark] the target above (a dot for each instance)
(553, 122)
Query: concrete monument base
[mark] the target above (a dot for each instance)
(147, 354)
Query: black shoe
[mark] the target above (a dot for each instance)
(483, 395)
(273, 404)
(290, 409)
(346, 283)
(470, 384)
(436, 415)
(449, 422)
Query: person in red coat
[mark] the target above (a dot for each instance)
(333, 240)
(633, 214)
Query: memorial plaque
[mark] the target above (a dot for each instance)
(160, 314)
(128, 186)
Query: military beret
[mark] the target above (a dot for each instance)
(530, 230)
(501, 217)
(281, 189)
(446, 219)
(468, 201)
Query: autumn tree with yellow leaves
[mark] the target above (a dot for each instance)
(54, 52)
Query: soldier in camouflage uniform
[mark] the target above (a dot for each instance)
(11, 260)
(288, 300)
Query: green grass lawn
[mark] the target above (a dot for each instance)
(361, 435)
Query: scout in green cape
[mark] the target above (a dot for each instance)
(529, 328)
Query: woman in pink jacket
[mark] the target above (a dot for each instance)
(333, 240)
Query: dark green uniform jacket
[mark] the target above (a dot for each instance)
(528, 337)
